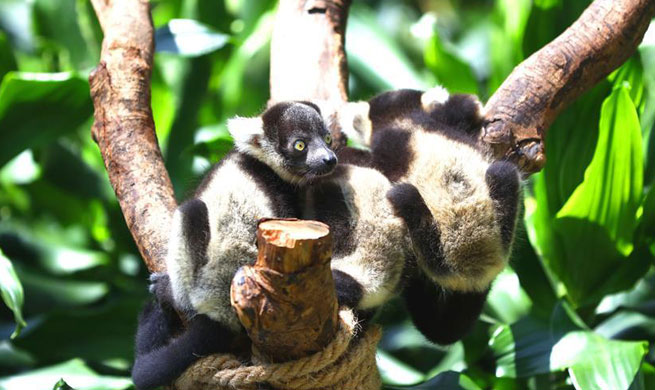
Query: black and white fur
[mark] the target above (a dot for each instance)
(213, 234)
(458, 204)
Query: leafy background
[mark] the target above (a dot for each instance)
(575, 310)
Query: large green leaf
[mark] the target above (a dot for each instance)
(595, 363)
(73, 372)
(37, 108)
(12, 292)
(611, 191)
(585, 233)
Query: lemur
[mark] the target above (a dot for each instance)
(458, 204)
(213, 234)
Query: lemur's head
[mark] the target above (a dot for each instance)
(290, 137)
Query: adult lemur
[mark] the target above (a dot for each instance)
(213, 234)
(458, 204)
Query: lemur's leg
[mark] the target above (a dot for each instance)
(423, 229)
(504, 188)
(443, 316)
(162, 365)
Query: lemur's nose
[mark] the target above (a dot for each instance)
(330, 160)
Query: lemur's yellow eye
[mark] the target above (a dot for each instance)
(299, 146)
(328, 139)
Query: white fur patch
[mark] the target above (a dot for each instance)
(433, 97)
(244, 130)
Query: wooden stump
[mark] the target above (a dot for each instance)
(287, 300)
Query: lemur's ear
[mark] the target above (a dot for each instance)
(245, 131)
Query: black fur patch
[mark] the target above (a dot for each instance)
(283, 195)
(195, 227)
(443, 316)
(162, 364)
(389, 106)
(424, 231)
(460, 112)
(331, 207)
(391, 152)
(349, 291)
(503, 181)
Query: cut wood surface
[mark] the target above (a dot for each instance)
(286, 300)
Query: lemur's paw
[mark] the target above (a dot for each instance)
(160, 286)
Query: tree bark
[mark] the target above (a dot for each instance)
(526, 104)
(308, 57)
(286, 300)
(124, 128)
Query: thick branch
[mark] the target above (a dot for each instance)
(287, 301)
(538, 89)
(308, 59)
(124, 128)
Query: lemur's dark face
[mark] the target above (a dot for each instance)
(301, 138)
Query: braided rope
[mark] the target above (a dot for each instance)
(346, 363)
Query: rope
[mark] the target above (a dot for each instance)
(348, 362)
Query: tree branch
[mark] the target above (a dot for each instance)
(526, 104)
(124, 128)
(308, 59)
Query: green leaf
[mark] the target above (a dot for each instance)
(451, 71)
(37, 108)
(449, 380)
(595, 363)
(611, 191)
(73, 372)
(507, 300)
(62, 385)
(395, 372)
(12, 292)
(189, 38)
(10, 356)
